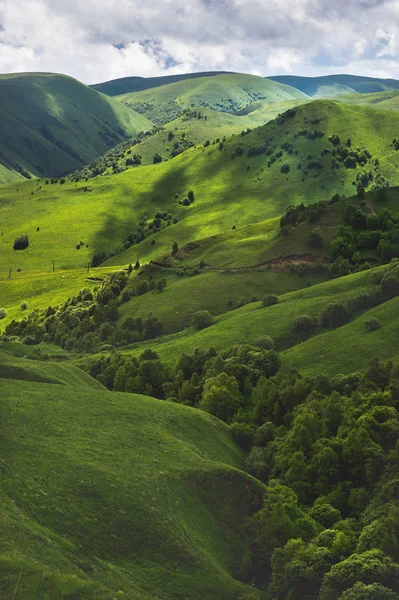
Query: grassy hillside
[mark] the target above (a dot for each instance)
(52, 124)
(329, 86)
(229, 192)
(125, 85)
(386, 100)
(227, 93)
(198, 125)
(115, 495)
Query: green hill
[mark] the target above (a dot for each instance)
(329, 86)
(114, 495)
(386, 100)
(52, 124)
(226, 92)
(125, 85)
(111, 208)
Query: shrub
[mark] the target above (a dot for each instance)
(304, 324)
(314, 238)
(334, 314)
(285, 168)
(265, 341)
(24, 305)
(157, 158)
(202, 319)
(269, 300)
(243, 434)
(186, 202)
(190, 196)
(372, 324)
(21, 242)
(3, 313)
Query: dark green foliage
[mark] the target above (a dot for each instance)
(202, 319)
(285, 168)
(334, 314)
(372, 324)
(304, 324)
(314, 238)
(157, 158)
(175, 248)
(269, 300)
(21, 242)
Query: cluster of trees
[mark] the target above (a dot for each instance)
(294, 215)
(89, 321)
(328, 451)
(145, 228)
(366, 230)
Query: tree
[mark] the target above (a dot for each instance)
(221, 397)
(157, 158)
(190, 196)
(269, 300)
(334, 314)
(314, 238)
(21, 242)
(304, 324)
(175, 248)
(372, 324)
(202, 319)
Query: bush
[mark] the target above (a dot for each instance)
(314, 238)
(372, 324)
(334, 314)
(157, 158)
(202, 319)
(304, 324)
(265, 341)
(285, 168)
(24, 305)
(21, 242)
(3, 313)
(269, 300)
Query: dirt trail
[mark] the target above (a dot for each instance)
(275, 264)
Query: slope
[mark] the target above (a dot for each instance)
(107, 495)
(251, 178)
(329, 86)
(52, 124)
(227, 93)
(125, 85)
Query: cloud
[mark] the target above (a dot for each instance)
(97, 40)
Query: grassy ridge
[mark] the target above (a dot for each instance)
(108, 494)
(52, 124)
(329, 86)
(225, 92)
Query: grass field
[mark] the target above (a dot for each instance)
(109, 495)
(52, 124)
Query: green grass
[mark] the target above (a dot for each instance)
(52, 124)
(251, 321)
(107, 495)
(225, 92)
(329, 86)
(349, 348)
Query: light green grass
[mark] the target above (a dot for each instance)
(329, 86)
(226, 192)
(106, 495)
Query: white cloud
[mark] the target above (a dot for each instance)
(97, 40)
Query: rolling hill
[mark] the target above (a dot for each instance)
(133, 495)
(125, 85)
(280, 164)
(52, 124)
(329, 86)
(226, 92)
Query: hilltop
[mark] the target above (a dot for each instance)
(329, 86)
(223, 92)
(53, 124)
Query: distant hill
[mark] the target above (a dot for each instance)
(337, 85)
(125, 85)
(228, 93)
(52, 124)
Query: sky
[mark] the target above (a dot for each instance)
(99, 40)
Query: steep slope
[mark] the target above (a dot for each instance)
(116, 495)
(52, 124)
(227, 93)
(249, 179)
(336, 85)
(125, 85)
